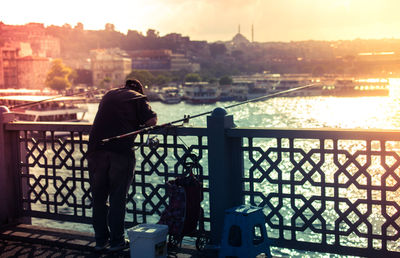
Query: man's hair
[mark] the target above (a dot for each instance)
(135, 85)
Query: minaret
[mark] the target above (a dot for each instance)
(239, 29)
(252, 33)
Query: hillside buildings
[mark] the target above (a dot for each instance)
(162, 60)
(25, 54)
(34, 34)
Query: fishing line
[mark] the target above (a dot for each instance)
(186, 118)
(186, 146)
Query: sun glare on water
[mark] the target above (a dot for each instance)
(361, 112)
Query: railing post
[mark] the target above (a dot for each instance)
(225, 164)
(9, 193)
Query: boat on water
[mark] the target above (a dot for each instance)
(226, 93)
(361, 87)
(153, 93)
(286, 84)
(18, 92)
(37, 108)
(170, 95)
(240, 90)
(201, 92)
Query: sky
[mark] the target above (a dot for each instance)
(214, 20)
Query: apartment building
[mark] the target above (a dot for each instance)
(153, 60)
(180, 62)
(110, 66)
(8, 67)
(32, 72)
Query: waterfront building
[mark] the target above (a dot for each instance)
(111, 65)
(24, 55)
(32, 72)
(8, 67)
(16, 71)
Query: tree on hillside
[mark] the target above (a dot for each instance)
(144, 76)
(162, 79)
(225, 80)
(60, 76)
(192, 77)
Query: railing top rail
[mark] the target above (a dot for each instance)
(311, 133)
(320, 133)
(48, 126)
(85, 128)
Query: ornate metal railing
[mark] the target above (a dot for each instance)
(55, 180)
(329, 191)
(322, 190)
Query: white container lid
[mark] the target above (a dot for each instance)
(148, 230)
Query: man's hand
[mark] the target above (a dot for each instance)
(151, 121)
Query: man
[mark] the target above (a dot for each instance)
(111, 164)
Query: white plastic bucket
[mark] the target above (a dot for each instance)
(148, 240)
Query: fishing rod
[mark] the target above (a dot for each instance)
(49, 99)
(61, 96)
(186, 118)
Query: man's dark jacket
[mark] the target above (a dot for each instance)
(120, 111)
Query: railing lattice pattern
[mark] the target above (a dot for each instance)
(55, 177)
(327, 191)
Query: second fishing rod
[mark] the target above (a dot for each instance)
(187, 118)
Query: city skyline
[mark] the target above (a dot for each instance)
(284, 20)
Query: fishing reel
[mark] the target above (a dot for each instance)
(152, 142)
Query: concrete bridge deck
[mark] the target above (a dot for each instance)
(24, 240)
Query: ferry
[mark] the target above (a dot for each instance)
(19, 92)
(153, 93)
(240, 90)
(37, 108)
(201, 92)
(269, 83)
(361, 87)
(226, 93)
(170, 95)
(256, 91)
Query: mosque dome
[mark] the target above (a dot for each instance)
(240, 39)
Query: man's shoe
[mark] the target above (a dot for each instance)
(119, 247)
(100, 247)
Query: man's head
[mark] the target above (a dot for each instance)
(135, 85)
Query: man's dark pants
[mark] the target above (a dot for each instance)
(110, 176)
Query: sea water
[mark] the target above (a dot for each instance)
(294, 113)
